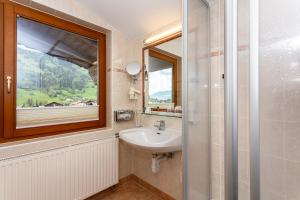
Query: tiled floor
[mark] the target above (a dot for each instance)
(127, 191)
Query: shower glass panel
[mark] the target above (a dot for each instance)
(268, 55)
(279, 64)
(278, 172)
(197, 101)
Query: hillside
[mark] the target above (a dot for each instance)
(161, 97)
(43, 79)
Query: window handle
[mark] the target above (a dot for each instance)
(8, 78)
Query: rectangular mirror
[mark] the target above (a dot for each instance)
(162, 77)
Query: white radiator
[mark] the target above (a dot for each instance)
(74, 172)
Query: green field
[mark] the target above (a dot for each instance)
(40, 98)
(34, 97)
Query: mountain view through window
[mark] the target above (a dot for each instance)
(57, 75)
(54, 67)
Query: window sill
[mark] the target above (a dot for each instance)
(50, 137)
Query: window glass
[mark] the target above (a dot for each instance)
(57, 75)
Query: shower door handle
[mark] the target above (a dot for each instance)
(9, 81)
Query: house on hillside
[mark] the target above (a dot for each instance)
(53, 104)
(90, 103)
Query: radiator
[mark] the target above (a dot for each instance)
(74, 172)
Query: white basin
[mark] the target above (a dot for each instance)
(153, 140)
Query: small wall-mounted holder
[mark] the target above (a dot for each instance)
(133, 93)
(133, 69)
(123, 115)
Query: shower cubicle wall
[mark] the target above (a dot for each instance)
(262, 101)
(267, 89)
(279, 88)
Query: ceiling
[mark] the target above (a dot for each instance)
(172, 46)
(136, 18)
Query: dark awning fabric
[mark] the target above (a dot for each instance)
(156, 64)
(57, 42)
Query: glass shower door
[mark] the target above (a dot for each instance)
(196, 81)
(269, 123)
(262, 75)
(279, 64)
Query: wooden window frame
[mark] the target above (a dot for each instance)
(1, 67)
(8, 32)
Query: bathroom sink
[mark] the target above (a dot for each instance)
(152, 139)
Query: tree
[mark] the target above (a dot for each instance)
(30, 102)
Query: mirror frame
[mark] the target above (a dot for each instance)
(151, 48)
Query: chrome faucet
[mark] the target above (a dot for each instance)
(161, 126)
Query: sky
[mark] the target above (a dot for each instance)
(160, 81)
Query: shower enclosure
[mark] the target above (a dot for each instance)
(252, 149)
(196, 101)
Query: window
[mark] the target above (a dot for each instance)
(54, 74)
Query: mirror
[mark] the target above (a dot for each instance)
(162, 78)
(133, 68)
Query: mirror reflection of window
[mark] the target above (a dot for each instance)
(160, 82)
(162, 78)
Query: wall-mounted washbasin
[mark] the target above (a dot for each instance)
(153, 140)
